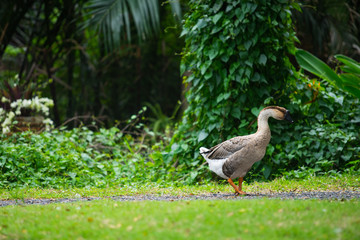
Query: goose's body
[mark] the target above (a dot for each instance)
(234, 157)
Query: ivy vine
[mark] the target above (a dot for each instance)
(236, 57)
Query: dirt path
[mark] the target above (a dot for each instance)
(338, 195)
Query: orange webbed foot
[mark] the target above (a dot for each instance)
(238, 193)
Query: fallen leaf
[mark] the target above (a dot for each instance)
(137, 218)
(115, 226)
(106, 221)
(242, 210)
(90, 219)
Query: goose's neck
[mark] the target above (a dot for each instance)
(263, 125)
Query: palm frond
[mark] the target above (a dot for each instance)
(114, 19)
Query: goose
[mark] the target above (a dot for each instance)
(234, 158)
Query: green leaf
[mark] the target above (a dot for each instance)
(354, 91)
(349, 79)
(213, 53)
(201, 24)
(270, 149)
(217, 17)
(351, 66)
(233, 67)
(202, 135)
(255, 111)
(225, 57)
(185, 146)
(204, 67)
(216, 29)
(113, 19)
(208, 74)
(314, 65)
(256, 77)
(184, 32)
(247, 44)
(217, 6)
(263, 59)
(223, 96)
(236, 112)
(267, 171)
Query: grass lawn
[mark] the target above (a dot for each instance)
(200, 219)
(246, 219)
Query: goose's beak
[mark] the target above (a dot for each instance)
(288, 117)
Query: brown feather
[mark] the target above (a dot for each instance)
(229, 147)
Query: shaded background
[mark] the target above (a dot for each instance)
(102, 60)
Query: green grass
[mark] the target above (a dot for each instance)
(320, 183)
(213, 219)
(244, 219)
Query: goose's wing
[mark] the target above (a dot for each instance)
(229, 147)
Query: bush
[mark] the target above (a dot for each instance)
(325, 137)
(237, 56)
(78, 158)
(236, 52)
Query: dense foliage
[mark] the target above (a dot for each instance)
(236, 52)
(78, 158)
(237, 57)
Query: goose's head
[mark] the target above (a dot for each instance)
(279, 113)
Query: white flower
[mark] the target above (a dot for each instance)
(4, 99)
(48, 121)
(13, 104)
(48, 124)
(11, 115)
(5, 130)
(6, 122)
(36, 104)
(26, 103)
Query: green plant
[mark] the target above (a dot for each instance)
(236, 54)
(79, 158)
(347, 80)
(250, 219)
(12, 90)
(160, 123)
(113, 19)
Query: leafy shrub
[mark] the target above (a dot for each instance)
(79, 157)
(237, 56)
(236, 52)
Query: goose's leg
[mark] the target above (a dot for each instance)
(237, 190)
(240, 185)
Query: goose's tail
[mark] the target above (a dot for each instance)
(204, 152)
